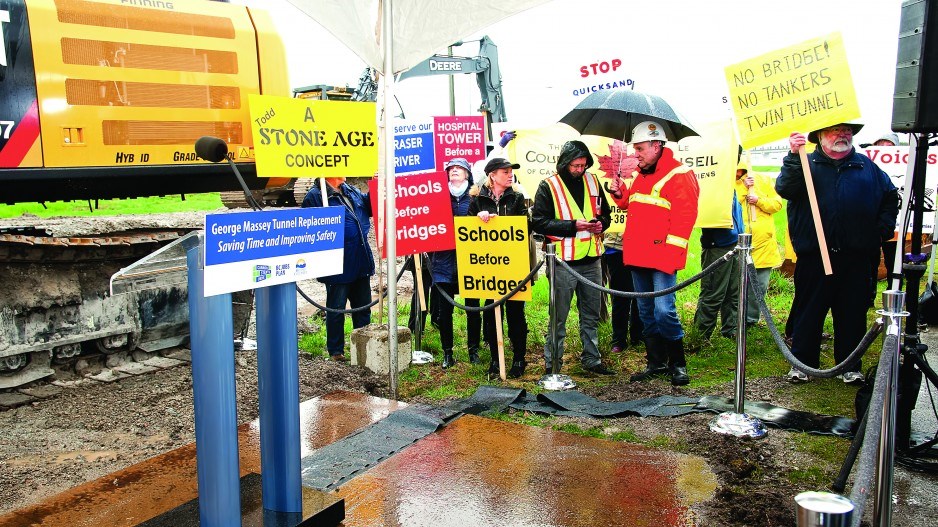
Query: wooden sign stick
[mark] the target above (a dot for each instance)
(501, 342)
(815, 213)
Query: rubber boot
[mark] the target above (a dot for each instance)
(676, 363)
(448, 360)
(493, 361)
(517, 363)
(657, 359)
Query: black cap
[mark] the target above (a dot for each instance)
(499, 162)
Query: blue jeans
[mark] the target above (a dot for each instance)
(355, 294)
(659, 314)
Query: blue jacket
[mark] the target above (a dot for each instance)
(727, 237)
(857, 202)
(444, 262)
(358, 260)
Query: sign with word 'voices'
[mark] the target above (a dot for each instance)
(247, 250)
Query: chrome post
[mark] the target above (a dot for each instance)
(738, 422)
(893, 302)
(553, 380)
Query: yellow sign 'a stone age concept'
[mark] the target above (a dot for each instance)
(800, 88)
(304, 138)
(492, 258)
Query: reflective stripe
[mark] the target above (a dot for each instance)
(561, 205)
(677, 241)
(592, 185)
(654, 197)
(650, 200)
(573, 248)
(656, 190)
(564, 212)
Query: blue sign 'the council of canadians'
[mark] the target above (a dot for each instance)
(247, 250)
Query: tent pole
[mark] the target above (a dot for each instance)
(390, 217)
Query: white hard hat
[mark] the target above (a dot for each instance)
(648, 131)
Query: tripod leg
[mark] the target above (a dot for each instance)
(841, 482)
(910, 375)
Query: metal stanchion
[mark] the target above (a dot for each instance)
(893, 302)
(553, 380)
(418, 356)
(738, 422)
(822, 509)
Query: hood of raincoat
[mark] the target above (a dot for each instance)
(573, 150)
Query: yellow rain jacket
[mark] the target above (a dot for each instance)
(758, 218)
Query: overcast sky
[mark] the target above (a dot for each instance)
(677, 49)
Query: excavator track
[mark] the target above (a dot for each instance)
(56, 306)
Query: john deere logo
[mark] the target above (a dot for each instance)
(261, 272)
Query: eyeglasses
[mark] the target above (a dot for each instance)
(840, 130)
(582, 165)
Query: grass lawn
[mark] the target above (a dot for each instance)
(112, 207)
(712, 366)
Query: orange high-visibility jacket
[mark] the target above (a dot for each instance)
(662, 208)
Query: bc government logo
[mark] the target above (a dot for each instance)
(261, 272)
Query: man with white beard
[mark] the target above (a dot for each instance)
(858, 206)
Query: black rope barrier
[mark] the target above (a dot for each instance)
(354, 309)
(844, 366)
(498, 302)
(650, 294)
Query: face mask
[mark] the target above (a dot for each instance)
(458, 190)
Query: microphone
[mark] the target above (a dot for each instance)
(211, 148)
(214, 149)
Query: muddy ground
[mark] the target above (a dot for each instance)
(87, 430)
(84, 430)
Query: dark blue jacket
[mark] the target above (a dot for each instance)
(358, 260)
(726, 237)
(857, 202)
(444, 262)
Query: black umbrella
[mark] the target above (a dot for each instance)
(614, 113)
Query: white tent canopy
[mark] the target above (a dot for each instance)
(421, 27)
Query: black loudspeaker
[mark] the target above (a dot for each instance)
(915, 104)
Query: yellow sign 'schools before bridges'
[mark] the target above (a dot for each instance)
(492, 258)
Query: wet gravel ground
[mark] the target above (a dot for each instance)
(84, 430)
(89, 429)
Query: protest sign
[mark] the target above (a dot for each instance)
(459, 136)
(492, 258)
(424, 214)
(803, 87)
(413, 146)
(712, 157)
(894, 161)
(308, 138)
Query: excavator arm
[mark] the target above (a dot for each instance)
(485, 66)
